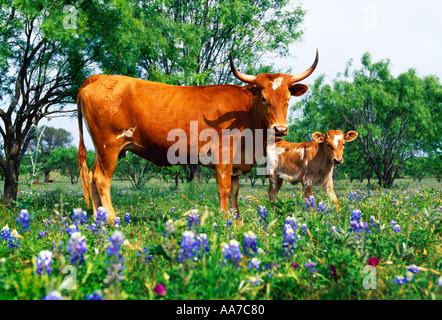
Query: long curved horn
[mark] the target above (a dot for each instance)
(241, 76)
(305, 74)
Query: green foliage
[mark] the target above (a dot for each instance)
(397, 118)
(136, 169)
(65, 160)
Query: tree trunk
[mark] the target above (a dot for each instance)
(47, 172)
(177, 175)
(11, 182)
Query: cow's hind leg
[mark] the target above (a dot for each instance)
(102, 177)
(223, 181)
(96, 201)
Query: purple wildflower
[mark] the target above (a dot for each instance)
(43, 262)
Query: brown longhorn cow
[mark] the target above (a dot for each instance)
(126, 114)
(310, 163)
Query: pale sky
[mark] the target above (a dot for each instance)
(408, 32)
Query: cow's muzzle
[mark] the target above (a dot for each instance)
(338, 160)
(281, 130)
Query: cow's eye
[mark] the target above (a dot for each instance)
(263, 99)
(328, 145)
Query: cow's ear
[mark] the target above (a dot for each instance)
(350, 136)
(298, 89)
(318, 137)
(251, 90)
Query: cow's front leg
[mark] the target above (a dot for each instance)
(328, 186)
(224, 183)
(275, 184)
(308, 188)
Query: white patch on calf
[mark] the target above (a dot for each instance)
(277, 82)
(128, 133)
(337, 139)
(273, 153)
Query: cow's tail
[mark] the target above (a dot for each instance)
(82, 155)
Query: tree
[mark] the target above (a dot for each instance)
(47, 50)
(396, 118)
(65, 160)
(52, 138)
(189, 41)
(136, 169)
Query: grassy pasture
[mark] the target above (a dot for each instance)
(323, 264)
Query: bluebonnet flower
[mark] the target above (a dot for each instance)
(254, 263)
(395, 226)
(288, 241)
(116, 240)
(250, 244)
(145, 255)
(262, 213)
(79, 216)
(310, 266)
(92, 227)
(358, 226)
(304, 228)
(356, 215)
(253, 280)
(101, 218)
(13, 240)
(232, 251)
(373, 222)
(43, 262)
(406, 199)
(117, 222)
(127, 218)
(320, 207)
(5, 233)
(215, 226)
(41, 234)
(114, 273)
(94, 296)
(193, 219)
(413, 269)
(53, 295)
(229, 222)
(76, 248)
(203, 243)
(334, 229)
(404, 279)
(439, 281)
(311, 202)
(393, 202)
(115, 258)
(192, 247)
(71, 229)
(292, 222)
(23, 219)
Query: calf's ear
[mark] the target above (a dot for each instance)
(318, 137)
(350, 136)
(298, 89)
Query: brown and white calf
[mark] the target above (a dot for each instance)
(310, 163)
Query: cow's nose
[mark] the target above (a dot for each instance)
(281, 130)
(338, 160)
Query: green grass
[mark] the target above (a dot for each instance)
(210, 277)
